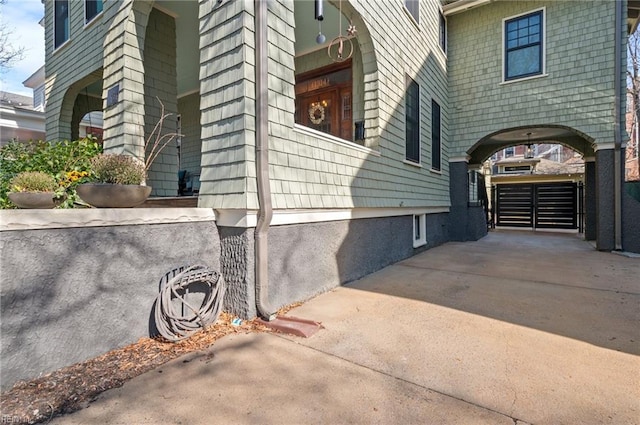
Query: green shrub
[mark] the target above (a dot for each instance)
(33, 181)
(117, 169)
(67, 161)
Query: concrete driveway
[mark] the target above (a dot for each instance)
(518, 327)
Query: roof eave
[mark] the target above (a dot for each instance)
(460, 6)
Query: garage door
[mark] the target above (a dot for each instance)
(537, 205)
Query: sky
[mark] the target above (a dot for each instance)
(21, 18)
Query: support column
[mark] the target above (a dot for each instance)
(458, 192)
(123, 80)
(160, 82)
(590, 206)
(227, 102)
(604, 177)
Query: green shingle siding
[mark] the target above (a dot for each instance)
(577, 93)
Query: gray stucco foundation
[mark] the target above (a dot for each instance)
(74, 293)
(308, 259)
(305, 260)
(71, 293)
(237, 265)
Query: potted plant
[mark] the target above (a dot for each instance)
(119, 180)
(35, 189)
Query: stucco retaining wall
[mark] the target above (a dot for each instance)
(75, 292)
(69, 294)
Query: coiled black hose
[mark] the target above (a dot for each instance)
(175, 325)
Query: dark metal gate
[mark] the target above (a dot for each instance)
(537, 205)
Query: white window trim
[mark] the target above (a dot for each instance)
(413, 20)
(446, 33)
(413, 164)
(95, 18)
(299, 128)
(543, 71)
(422, 222)
(68, 40)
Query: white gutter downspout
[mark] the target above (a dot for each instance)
(617, 163)
(265, 211)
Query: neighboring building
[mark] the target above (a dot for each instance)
(536, 192)
(369, 149)
(19, 120)
(22, 118)
(36, 83)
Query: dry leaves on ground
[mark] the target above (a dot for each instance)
(72, 388)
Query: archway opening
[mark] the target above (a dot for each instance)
(330, 72)
(533, 177)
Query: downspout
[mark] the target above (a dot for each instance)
(265, 211)
(617, 163)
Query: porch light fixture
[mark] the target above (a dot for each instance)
(528, 151)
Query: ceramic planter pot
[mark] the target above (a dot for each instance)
(34, 199)
(104, 195)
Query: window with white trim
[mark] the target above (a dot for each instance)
(60, 22)
(419, 230)
(412, 121)
(442, 35)
(524, 45)
(92, 8)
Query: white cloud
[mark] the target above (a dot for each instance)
(21, 17)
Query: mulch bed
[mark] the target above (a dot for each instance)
(74, 387)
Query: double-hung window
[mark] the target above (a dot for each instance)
(61, 22)
(413, 6)
(436, 136)
(524, 46)
(92, 8)
(442, 34)
(412, 117)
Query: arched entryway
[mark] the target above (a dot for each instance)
(528, 193)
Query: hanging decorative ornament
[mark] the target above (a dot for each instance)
(341, 48)
(351, 29)
(320, 39)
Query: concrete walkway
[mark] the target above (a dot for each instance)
(518, 328)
